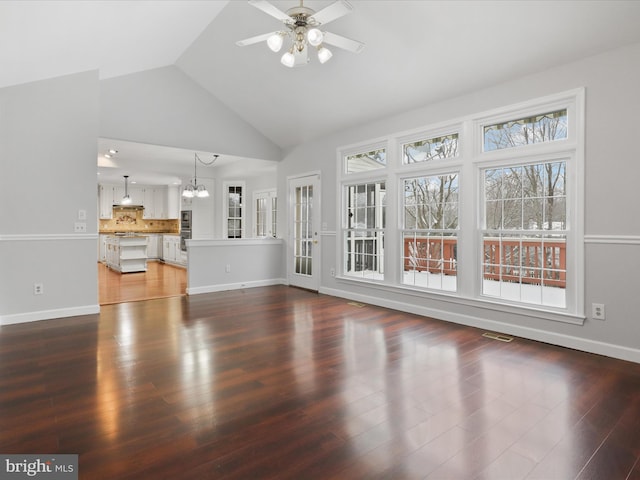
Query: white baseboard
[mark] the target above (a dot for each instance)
(235, 286)
(576, 343)
(48, 314)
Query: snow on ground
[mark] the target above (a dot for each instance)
(518, 292)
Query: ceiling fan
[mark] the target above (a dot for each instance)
(303, 30)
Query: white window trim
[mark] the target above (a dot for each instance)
(257, 194)
(225, 206)
(469, 163)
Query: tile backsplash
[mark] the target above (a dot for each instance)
(129, 220)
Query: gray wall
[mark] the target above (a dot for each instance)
(48, 151)
(612, 224)
(165, 107)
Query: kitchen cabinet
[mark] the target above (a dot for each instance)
(171, 252)
(127, 254)
(173, 202)
(102, 248)
(105, 194)
(136, 193)
(152, 246)
(160, 202)
(149, 203)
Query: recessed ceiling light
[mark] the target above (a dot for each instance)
(106, 155)
(112, 151)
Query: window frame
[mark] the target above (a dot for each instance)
(271, 223)
(470, 163)
(243, 209)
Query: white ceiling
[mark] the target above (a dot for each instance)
(417, 52)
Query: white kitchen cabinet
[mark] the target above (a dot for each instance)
(105, 194)
(102, 248)
(149, 203)
(152, 246)
(127, 254)
(171, 252)
(173, 202)
(136, 193)
(159, 202)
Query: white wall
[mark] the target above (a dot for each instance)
(612, 171)
(165, 107)
(48, 151)
(231, 264)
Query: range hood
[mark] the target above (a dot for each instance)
(128, 208)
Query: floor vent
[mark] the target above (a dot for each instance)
(497, 336)
(356, 304)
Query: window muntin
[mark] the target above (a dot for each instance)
(366, 161)
(303, 230)
(261, 217)
(525, 233)
(546, 127)
(364, 232)
(555, 228)
(445, 146)
(429, 235)
(235, 216)
(265, 213)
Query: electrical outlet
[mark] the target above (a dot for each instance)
(333, 272)
(80, 227)
(38, 288)
(597, 311)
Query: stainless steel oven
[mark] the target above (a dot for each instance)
(184, 236)
(185, 220)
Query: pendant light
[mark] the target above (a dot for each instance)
(126, 200)
(193, 189)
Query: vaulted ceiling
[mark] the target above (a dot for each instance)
(416, 53)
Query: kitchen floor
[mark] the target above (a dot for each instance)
(159, 281)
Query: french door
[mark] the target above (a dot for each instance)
(304, 225)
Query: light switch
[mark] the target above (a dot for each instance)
(82, 214)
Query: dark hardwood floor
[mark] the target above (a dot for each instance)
(282, 383)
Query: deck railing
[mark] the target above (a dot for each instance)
(522, 260)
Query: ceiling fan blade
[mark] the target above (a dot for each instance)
(256, 39)
(343, 42)
(333, 11)
(269, 9)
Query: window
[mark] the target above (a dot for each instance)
(487, 209)
(364, 162)
(234, 211)
(429, 239)
(524, 234)
(525, 131)
(364, 232)
(265, 207)
(434, 148)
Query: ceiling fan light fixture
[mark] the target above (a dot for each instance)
(288, 60)
(275, 42)
(324, 54)
(315, 37)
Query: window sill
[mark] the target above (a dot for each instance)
(541, 313)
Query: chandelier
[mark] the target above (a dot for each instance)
(195, 189)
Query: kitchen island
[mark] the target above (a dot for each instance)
(127, 253)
